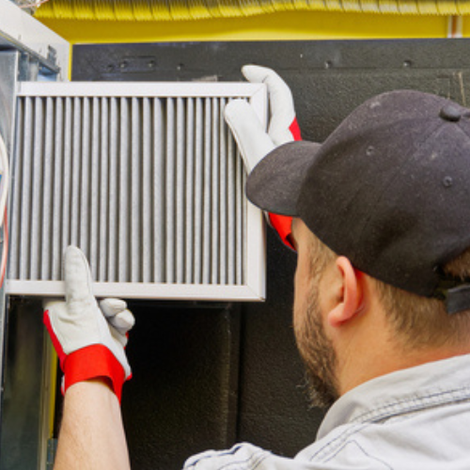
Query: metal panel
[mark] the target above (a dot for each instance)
(9, 65)
(21, 31)
(146, 180)
(24, 394)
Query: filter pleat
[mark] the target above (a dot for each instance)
(58, 190)
(103, 190)
(239, 220)
(207, 200)
(222, 255)
(76, 170)
(159, 191)
(94, 196)
(123, 191)
(215, 215)
(83, 162)
(37, 187)
(113, 221)
(136, 202)
(180, 233)
(231, 210)
(47, 188)
(67, 172)
(146, 191)
(198, 191)
(15, 202)
(189, 201)
(170, 192)
(25, 228)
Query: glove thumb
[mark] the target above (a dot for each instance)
(78, 284)
(252, 140)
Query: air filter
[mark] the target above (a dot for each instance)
(146, 179)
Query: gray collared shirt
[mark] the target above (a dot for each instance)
(412, 419)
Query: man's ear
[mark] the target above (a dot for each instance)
(350, 293)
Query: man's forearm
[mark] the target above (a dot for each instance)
(92, 435)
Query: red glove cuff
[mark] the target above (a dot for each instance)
(55, 341)
(93, 362)
(295, 130)
(281, 223)
(87, 363)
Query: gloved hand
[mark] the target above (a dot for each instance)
(252, 140)
(89, 339)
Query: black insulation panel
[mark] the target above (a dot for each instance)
(208, 376)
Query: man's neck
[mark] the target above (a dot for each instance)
(375, 350)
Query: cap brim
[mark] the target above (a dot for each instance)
(274, 184)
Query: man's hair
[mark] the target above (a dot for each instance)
(418, 321)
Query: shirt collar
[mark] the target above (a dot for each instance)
(430, 384)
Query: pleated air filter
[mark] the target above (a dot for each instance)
(146, 179)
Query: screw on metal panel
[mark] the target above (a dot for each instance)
(328, 64)
(447, 181)
(51, 55)
(407, 64)
(123, 64)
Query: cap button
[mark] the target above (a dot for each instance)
(450, 113)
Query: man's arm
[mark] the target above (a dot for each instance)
(91, 435)
(89, 338)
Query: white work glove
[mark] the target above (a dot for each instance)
(89, 339)
(253, 141)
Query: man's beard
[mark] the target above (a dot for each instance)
(318, 355)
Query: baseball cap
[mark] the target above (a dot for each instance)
(389, 189)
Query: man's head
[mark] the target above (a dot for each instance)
(388, 192)
(341, 313)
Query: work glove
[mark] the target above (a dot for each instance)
(253, 141)
(88, 338)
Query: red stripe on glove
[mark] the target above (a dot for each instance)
(295, 130)
(93, 362)
(56, 343)
(282, 223)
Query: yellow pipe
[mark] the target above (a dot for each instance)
(288, 25)
(183, 10)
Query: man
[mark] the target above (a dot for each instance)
(382, 296)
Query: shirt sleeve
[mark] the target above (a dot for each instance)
(241, 457)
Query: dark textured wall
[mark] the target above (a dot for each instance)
(206, 376)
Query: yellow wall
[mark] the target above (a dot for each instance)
(280, 26)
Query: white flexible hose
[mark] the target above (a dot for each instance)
(5, 179)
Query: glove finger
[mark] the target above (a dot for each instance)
(121, 338)
(123, 321)
(111, 307)
(77, 277)
(280, 100)
(252, 140)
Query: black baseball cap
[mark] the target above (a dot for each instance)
(389, 189)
